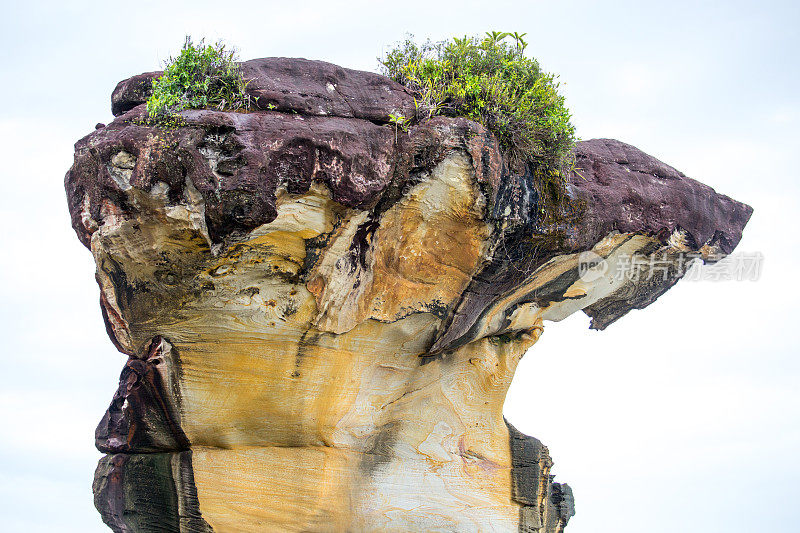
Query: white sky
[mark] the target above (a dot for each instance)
(680, 418)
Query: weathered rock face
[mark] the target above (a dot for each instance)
(323, 315)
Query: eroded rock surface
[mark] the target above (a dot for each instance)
(323, 314)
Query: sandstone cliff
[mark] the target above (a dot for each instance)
(323, 315)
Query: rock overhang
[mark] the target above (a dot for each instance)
(237, 161)
(310, 225)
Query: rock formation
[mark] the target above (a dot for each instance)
(322, 314)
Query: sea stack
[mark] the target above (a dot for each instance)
(322, 312)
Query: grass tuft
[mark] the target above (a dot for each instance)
(491, 81)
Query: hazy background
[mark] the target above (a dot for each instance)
(680, 418)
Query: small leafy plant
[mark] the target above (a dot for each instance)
(399, 121)
(202, 76)
(491, 81)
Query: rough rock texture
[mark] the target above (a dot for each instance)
(300, 86)
(323, 315)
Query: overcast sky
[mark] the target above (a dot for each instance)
(679, 418)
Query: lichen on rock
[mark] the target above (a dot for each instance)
(323, 317)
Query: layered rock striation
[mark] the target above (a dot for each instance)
(322, 314)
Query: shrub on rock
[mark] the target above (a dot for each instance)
(202, 76)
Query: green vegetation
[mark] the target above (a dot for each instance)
(490, 81)
(399, 121)
(202, 76)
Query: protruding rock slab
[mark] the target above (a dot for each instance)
(313, 88)
(323, 314)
